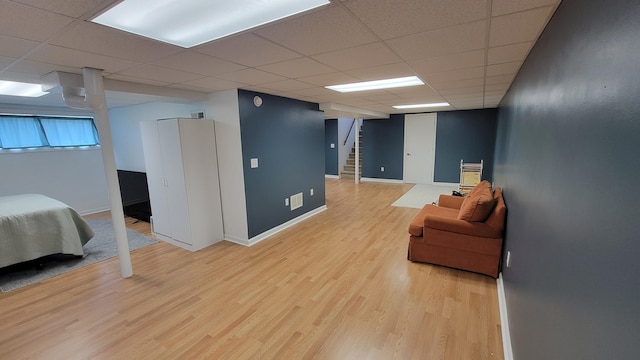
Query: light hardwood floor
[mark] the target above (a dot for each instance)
(336, 286)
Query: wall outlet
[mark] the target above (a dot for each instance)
(508, 258)
(382, 168)
(286, 201)
(254, 163)
(311, 192)
(333, 146)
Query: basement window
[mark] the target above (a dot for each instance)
(29, 132)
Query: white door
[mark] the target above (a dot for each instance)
(175, 187)
(419, 148)
(155, 177)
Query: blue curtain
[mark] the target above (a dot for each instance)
(33, 131)
(69, 132)
(21, 132)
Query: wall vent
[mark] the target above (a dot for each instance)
(296, 201)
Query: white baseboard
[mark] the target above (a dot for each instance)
(93, 211)
(504, 320)
(331, 176)
(256, 239)
(446, 184)
(391, 181)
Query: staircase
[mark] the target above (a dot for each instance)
(349, 171)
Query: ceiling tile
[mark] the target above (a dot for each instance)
(413, 91)
(159, 73)
(508, 53)
(459, 74)
(394, 18)
(319, 32)
(500, 79)
(40, 68)
(135, 79)
(15, 47)
(297, 68)
(448, 62)
(99, 39)
(503, 69)
(501, 7)
(316, 91)
(287, 85)
(458, 91)
(78, 59)
(4, 61)
(29, 23)
(248, 50)
(251, 77)
(498, 87)
(518, 27)
(382, 72)
(352, 58)
(451, 40)
(329, 79)
(72, 8)
(456, 84)
(213, 84)
(197, 63)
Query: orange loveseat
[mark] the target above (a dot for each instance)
(439, 235)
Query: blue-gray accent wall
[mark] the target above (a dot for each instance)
(287, 138)
(331, 154)
(383, 146)
(469, 135)
(567, 158)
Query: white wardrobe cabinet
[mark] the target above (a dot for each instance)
(182, 173)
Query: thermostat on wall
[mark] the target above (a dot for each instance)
(257, 101)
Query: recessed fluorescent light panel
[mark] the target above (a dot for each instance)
(13, 88)
(378, 84)
(188, 23)
(417, 106)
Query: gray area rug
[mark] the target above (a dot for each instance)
(102, 246)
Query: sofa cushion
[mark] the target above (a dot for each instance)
(416, 225)
(477, 206)
(484, 184)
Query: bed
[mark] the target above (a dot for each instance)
(33, 226)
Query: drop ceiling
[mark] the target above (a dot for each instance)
(466, 51)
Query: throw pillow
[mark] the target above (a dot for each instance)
(484, 184)
(477, 206)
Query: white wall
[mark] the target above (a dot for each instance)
(125, 129)
(223, 108)
(75, 177)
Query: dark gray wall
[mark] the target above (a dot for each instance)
(331, 154)
(469, 135)
(567, 157)
(287, 137)
(383, 145)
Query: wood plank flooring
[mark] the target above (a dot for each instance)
(336, 286)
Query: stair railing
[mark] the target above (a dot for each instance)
(349, 133)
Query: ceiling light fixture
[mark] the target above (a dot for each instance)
(378, 84)
(13, 88)
(416, 106)
(188, 23)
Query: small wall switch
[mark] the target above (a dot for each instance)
(311, 192)
(382, 168)
(254, 163)
(286, 201)
(508, 258)
(333, 146)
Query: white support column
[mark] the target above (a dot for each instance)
(357, 135)
(96, 100)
